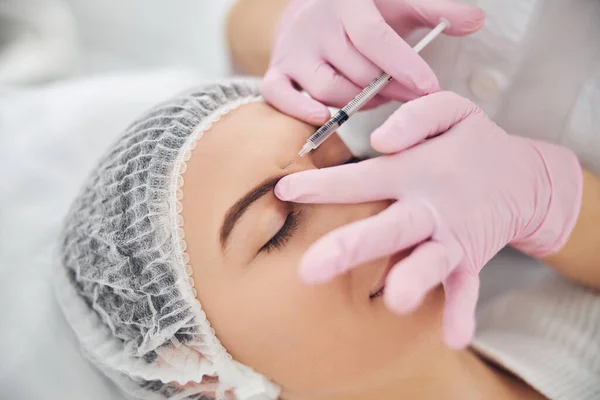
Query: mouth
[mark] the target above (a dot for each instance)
(379, 287)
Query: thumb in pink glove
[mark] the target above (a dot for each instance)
(334, 48)
(459, 198)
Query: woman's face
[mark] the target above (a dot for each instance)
(245, 245)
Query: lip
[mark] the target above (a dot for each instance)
(379, 286)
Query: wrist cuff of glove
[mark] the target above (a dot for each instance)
(566, 181)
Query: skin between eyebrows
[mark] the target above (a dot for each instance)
(241, 206)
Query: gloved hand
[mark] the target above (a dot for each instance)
(334, 48)
(459, 198)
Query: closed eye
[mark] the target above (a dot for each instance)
(284, 234)
(289, 226)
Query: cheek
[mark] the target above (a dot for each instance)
(271, 321)
(276, 324)
(314, 339)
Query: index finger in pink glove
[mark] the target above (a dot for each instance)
(350, 183)
(354, 244)
(421, 119)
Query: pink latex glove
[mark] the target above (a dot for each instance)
(460, 198)
(332, 49)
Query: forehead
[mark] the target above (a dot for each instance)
(240, 151)
(246, 145)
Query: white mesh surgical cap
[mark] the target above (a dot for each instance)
(123, 280)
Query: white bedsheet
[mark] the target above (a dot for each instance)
(49, 139)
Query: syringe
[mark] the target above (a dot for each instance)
(362, 98)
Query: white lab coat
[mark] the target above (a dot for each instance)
(534, 68)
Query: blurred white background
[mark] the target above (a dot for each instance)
(48, 39)
(125, 33)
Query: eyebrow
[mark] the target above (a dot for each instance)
(241, 206)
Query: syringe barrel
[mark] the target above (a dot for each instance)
(367, 94)
(329, 128)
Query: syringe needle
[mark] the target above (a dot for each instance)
(291, 162)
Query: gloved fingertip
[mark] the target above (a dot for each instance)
(313, 275)
(318, 116)
(475, 21)
(466, 20)
(318, 265)
(380, 141)
(457, 341)
(459, 336)
(306, 109)
(283, 189)
(385, 141)
(309, 110)
(404, 301)
(427, 85)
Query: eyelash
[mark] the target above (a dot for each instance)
(285, 233)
